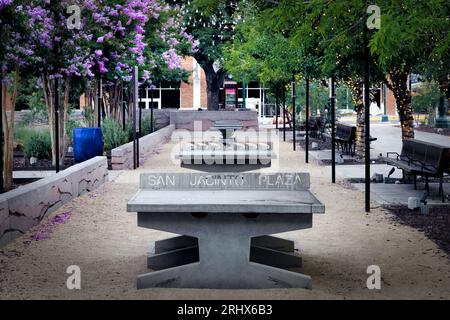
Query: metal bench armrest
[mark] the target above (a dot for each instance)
(393, 153)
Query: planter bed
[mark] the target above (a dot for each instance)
(21, 163)
(122, 157)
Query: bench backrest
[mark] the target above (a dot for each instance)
(346, 131)
(439, 157)
(225, 181)
(314, 123)
(428, 153)
(408, 148)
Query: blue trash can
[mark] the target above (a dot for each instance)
(87, 143)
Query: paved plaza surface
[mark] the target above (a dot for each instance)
(393, 194)
(389, 138)
(104, 241)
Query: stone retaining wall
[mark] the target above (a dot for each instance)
(25, 207)
(122, 157)
(162, 116)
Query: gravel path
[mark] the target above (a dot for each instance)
(103, 240)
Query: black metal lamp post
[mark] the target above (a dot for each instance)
(307, 122)
(139, 125)
(333, 129)
(135, 97)
(367, 124)
(151, 109)
(293, 111)
(277, 106)
(283, 92)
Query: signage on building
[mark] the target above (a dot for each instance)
(231, 95)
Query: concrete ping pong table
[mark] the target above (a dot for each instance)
(224, 220)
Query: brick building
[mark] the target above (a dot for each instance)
(388, 104)
(193, 95)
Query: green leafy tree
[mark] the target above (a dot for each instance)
(426, 100)
(212, 24)
(328, 40)
(413, 33)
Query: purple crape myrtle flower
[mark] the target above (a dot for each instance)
(46, 229)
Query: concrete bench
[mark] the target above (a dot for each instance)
(216, 153)
(224, 220)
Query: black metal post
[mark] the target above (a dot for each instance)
(124, 94)
(333, 130)
(1, 138)
(135, 102)
(140, 112)
(139, 135)
(283, 92)
(151, 110)
(57, 124)
(367, 124)
(307, 122)
(277, 106)
(293, 111)
(100, 102)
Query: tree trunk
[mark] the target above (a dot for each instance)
(444, 86)
(358, 99)
(90, 107)
(63, 121)
(8, 127)
(214, 80)
(398, 83)
(50, 101)
(112, 97)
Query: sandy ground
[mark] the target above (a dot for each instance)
(104, 241)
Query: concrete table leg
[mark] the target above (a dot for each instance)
(224, 264)
(181, 250)
(180, 242)
(224, 251)
(274, 243)
(174, 243)
(274, 258)
(173, 258)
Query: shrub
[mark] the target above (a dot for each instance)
(129, 131)
(146, 125)
(21, 133)
(32, 95)
(38, 144)
(113, 134)
(72, 124)
(88, 116)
